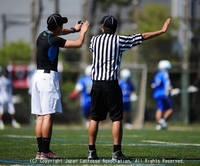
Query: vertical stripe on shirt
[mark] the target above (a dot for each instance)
(107, 52)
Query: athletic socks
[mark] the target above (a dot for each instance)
(46, 145)
(92, 147)
(13, 121)
(116, 148)
(43, 144)
(39, 142)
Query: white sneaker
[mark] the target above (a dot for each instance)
(118, 155)
(2, 126)
(158, 127)
(163, 123)
(16, 125)
(128, 126)
(92, 155)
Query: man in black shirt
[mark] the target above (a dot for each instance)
(46, 97)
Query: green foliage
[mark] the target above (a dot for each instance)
(152, 18)
(72, 112)
(68, 79)
(71, 54)
(15, 51)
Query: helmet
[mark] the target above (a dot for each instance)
(125, 73)
(88, 70)
(164, 64)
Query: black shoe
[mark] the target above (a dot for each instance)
(118, 155)
(92, 155)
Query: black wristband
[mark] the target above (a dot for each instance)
(74, 30)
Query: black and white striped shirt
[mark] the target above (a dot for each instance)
(107, 52)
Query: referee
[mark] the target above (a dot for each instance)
(107, 49)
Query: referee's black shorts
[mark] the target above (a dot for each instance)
(106, 98)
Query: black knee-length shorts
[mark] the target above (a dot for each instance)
(106, 98)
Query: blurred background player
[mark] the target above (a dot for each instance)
(6, 103)
(128, 95)
(83, 88)
(162, 87)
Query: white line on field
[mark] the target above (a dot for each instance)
(170, 143)
(131, 144)
(105, 136)
(18, 136)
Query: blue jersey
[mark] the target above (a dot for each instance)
(161, 84)
(127, 88)
(84, 86)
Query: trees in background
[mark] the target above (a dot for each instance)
(152, 18)
(18, 52)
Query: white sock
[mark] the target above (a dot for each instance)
(1, 121)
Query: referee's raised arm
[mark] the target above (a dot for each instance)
(149, 35)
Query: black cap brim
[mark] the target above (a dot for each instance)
(65, 20)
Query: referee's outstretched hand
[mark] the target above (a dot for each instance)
(150, 35)
(166, 24)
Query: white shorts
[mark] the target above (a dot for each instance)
(46, 97)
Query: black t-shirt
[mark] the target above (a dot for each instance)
(47, 50)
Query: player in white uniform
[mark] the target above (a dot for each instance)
(6, 103)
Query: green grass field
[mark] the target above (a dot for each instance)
(179, 145)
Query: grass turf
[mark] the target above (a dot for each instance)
(179, 145)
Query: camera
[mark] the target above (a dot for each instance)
(80, 22)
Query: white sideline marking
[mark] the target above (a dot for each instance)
(107, 144)
(19, 136)
(170, 143)
(104, 136)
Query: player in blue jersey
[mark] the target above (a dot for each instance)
(83, 87)
(128, 95)
(162, 87)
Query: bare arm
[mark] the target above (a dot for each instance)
(149, 35)
(74, 94)
(66, 31)
(79, 42)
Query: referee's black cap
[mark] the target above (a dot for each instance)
(55, 20)
(109, 21)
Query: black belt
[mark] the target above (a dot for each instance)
(47, 71)
(105, 82)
